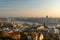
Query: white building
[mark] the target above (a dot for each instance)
(54, 31)
(41, 27)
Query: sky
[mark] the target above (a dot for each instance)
(29, 8)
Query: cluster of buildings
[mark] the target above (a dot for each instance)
(14, 29)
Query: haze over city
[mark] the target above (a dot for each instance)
(29, 8)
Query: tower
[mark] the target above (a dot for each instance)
(46, 21)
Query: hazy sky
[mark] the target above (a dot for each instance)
(29, 8)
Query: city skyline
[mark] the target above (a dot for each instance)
(29, 8)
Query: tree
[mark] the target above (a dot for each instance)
(6, 38)
(48, 38)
